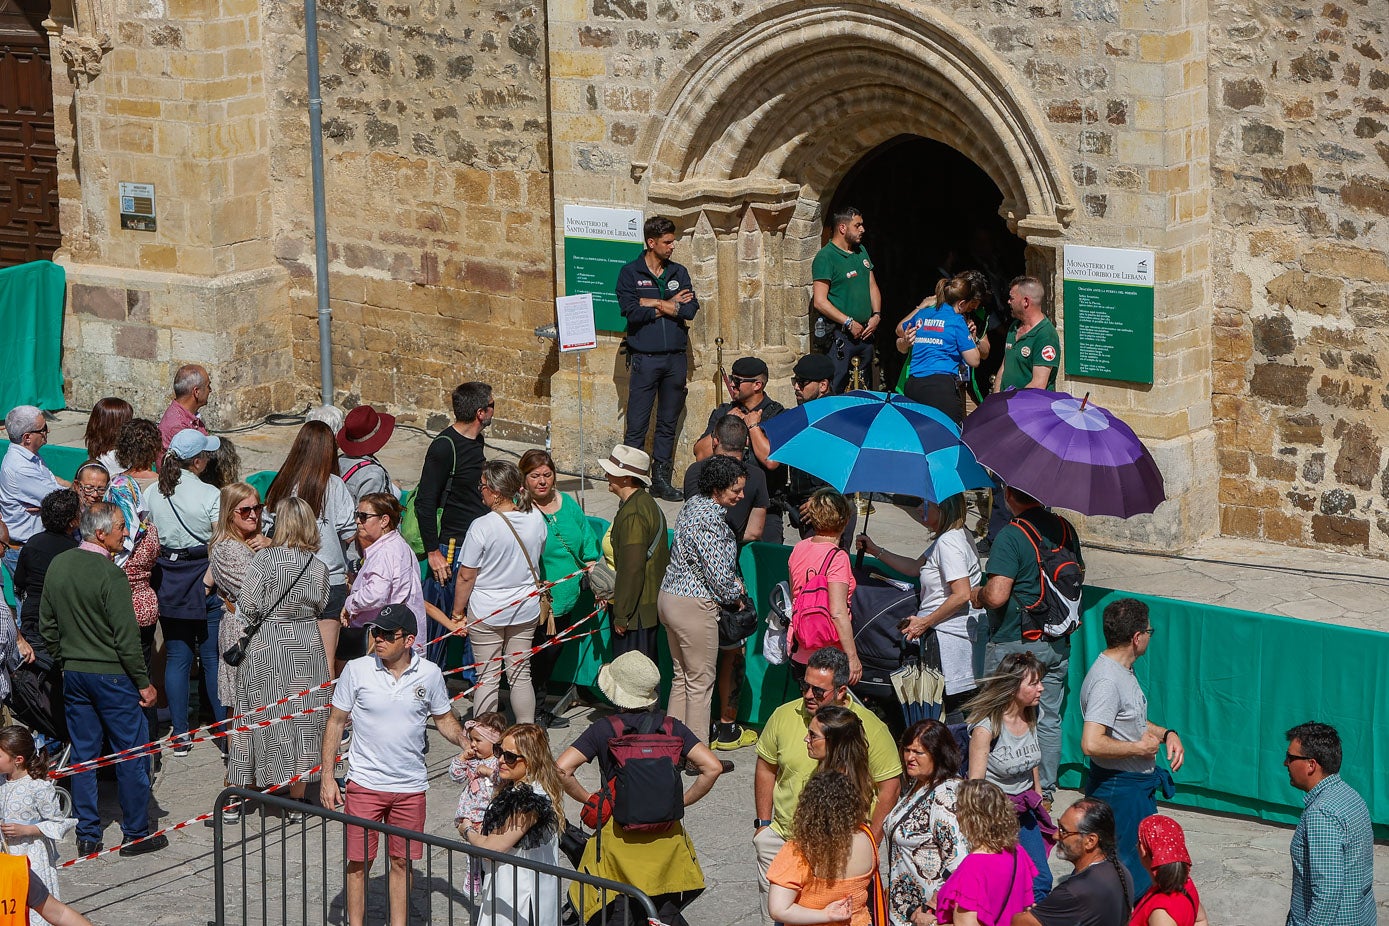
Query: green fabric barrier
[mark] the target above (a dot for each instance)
(31, 317)
(260, 481)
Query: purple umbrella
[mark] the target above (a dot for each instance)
(1065, 452)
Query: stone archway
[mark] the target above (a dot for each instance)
(743, 163)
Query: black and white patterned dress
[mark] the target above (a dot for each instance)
(284, 658)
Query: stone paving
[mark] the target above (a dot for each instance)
(1242, 865)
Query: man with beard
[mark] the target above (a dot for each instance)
(1100, 892)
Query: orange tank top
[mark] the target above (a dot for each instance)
(14, 890)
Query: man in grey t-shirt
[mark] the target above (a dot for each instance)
(1120, 740)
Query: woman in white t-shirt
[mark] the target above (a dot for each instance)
(948, 570)
(498, 569)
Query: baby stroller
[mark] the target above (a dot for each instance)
(879, 607)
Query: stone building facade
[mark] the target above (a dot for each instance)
(1245, 143)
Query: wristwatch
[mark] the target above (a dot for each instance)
(1170, 732)
(758, 824)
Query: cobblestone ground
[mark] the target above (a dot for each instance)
(1242, 866)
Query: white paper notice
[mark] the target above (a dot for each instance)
(577, 330)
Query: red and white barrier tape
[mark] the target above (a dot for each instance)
(136, 752)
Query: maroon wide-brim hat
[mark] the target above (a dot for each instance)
(365, 431)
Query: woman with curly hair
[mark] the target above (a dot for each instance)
(995, 880)
(837, 739)
(1003, 749)
(524, 819)
(924, 842)
(824, 874)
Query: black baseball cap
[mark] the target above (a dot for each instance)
(813, 367)
(395, 617)
(749, 367)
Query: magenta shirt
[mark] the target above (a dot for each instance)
(990, 886)
(390, 575)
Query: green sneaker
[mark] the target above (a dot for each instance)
(741, 737)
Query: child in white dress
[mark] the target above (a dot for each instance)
(31, 817)
(476, 769)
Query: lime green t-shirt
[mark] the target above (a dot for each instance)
(782, 743)
(1039, 347)
(847, 273)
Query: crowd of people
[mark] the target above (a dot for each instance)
(159, 576)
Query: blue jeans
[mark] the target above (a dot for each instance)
(109, 705)
(1030, 838)
(1055, 657)
(441, 596)
(182, 638)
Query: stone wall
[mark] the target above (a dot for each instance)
(436, 147)
(1301, 173)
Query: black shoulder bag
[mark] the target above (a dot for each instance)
(236, 653)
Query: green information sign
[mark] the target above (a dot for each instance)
(597, 242)
(1107, 294)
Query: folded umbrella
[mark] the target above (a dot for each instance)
(1066, 452)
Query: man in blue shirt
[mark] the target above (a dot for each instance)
(1333, 846)
(657, 299)
(24, 479)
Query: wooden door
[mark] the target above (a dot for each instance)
(28, 149)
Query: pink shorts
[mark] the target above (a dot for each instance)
(403, 810)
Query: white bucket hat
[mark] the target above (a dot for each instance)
(630, 681)
(628, 461)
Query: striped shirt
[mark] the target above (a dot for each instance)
(1333, 859)
(704, 556)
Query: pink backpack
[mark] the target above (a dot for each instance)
(812, 622)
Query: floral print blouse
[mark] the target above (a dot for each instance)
(704, 556)
(924, 846)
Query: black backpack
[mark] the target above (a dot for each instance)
(1056, 611)
(647, 792)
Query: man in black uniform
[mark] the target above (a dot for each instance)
(750, 403)
(658, 302)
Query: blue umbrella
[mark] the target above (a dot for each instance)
(876, 442)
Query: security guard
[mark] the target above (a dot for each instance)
(658, 302)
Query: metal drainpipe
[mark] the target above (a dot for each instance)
(320, 211)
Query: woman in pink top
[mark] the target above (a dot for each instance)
(995, 880)
(390, 574)
(829, 513)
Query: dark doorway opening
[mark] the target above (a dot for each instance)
(28, 146)
(929, 211)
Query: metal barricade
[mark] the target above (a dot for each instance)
(283, 862)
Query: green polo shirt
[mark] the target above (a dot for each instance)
(782, 744)
(1039, 347)
(847, 273)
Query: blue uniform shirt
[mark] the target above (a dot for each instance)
(941, 338)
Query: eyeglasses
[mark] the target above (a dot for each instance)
(364, 516)
(820, 693)
(511, 758)
(1063, 833)
(246, 511)
(1290, 757)
(89, 489)
(390, 636)
(42, 430)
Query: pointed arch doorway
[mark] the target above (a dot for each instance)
(930, 212)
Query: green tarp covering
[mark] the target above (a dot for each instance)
(31, 317)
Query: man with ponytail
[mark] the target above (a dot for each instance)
(1100, 892)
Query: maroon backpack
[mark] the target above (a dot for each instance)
(647, 793)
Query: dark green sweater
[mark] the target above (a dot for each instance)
(87, 618)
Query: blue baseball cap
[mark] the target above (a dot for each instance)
(190, 442)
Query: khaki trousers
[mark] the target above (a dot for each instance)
(513, 639)
(692, 630)
(767, 844)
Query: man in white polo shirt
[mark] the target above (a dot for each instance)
(389, 695)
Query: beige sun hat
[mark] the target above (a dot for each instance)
(630, 681)
(628, 461)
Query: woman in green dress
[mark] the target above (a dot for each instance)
(569, 546)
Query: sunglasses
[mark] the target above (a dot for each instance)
(390, 636)
(739, 380)
(1063, 833)
(510, 758)
(820, 693)
(1291, 757)
(248, 510)
(364, 516)
(42, 430)
(799, 383)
